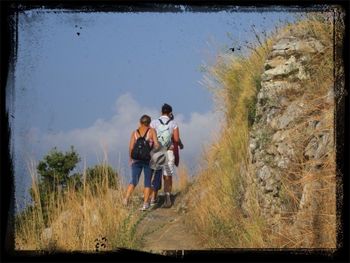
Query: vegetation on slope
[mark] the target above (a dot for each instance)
(216, 195)
(216, 192)
(81, 211)
(74, 217)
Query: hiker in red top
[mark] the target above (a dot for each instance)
(176, 146)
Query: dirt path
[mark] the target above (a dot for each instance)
(164, 229)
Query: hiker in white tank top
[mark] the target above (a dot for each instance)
(137, 166)
(169, 169)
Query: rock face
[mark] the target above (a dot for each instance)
(289, 140)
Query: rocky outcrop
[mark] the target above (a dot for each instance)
(289, 140)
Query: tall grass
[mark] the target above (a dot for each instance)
(78, 220)
(216, 192)
(181, 180)
(216, 213)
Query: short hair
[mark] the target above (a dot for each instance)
(166, 109)
(145, 119)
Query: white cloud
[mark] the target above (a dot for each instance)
(113, 134)
(196, 133)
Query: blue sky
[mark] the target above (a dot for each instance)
(84, 79)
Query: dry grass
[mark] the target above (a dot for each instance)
(216, 193)
(77, 219)
(181, 180)
(216, 212)
(321, 226)
(303, 173)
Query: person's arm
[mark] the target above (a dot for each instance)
(154, 138)
(131, 145)
(176, 135)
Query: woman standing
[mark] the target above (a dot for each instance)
(141, 142)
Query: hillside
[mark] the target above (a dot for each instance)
(268, 180)
(271, 178)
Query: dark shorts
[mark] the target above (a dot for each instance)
(157, 180)
(136, 169)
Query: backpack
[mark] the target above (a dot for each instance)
(163, 134)
(141, 150)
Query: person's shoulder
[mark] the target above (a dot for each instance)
(133, 133)
(154, 123)
(173, 123)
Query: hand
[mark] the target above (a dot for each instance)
(156, 147)
(130, 161)
(181, 145)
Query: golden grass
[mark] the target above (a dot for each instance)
(181, 180)
(77, 219)
(323, 229)
(216, 194)
(215, 207)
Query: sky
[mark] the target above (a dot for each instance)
(84, 79)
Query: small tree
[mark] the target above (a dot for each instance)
(55, 170)
(56, 167)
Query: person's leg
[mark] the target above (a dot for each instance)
(169, 171)
(156, 185)
(135, 176)
(168, 183)
(167, 191)
(129, 191)
(147, 184)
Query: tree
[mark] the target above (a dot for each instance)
(55, 174)
(56, 167)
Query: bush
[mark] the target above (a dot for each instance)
(101, 174)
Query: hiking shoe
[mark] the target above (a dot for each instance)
(167, 203)
(145, 207)
(153, 202)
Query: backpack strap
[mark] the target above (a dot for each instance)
(163, 122)
(144, 136)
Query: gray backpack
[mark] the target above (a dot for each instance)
(164, 134)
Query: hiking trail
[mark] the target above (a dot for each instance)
(164, 228)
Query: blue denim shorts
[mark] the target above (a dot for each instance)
(157, 180)
(136, 169)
